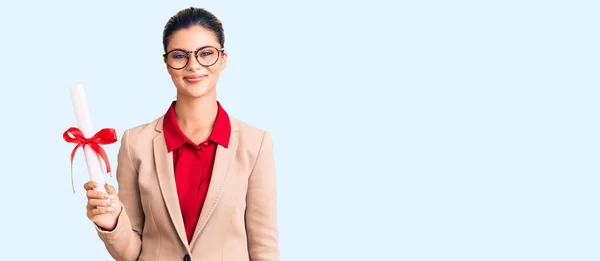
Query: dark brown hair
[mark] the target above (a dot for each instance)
(193, 16)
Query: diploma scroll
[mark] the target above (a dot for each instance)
(84, 137)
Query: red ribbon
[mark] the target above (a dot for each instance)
(104, 136)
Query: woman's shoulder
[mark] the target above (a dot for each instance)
(250, 138)
(146, 130)
(247, 130)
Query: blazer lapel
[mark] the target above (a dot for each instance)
(221, 169)
(166, 180)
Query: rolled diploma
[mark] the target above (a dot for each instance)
(84, 123)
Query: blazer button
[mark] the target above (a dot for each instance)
(187, 258)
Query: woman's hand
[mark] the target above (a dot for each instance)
(103, 209)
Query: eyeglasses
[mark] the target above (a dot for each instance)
(179, 58)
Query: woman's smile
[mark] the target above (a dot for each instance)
(194, 78)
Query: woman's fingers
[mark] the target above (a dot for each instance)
(110, 189)
(104, 210)
(98, 195)
(94, 203)
(90, 185)
(99, 202)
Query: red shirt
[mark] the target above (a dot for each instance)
(193, 163)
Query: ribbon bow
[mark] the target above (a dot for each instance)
(104, 136)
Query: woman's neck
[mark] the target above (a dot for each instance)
(196, 115)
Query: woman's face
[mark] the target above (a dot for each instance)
(195, 80)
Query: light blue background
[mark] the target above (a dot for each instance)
(403, 130)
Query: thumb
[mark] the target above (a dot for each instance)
(110, 189)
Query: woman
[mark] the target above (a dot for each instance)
(196, 183)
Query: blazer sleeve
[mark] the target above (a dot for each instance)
(124, 242)
(261, 206)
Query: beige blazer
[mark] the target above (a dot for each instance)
(237, 222)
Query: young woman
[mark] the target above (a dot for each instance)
(196, 183)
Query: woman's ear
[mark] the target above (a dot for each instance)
(224, 60)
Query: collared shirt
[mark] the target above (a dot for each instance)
(193, 163)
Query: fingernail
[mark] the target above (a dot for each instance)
(111, 197)
(110, 209)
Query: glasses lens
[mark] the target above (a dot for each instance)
(208, 56)
(177, 59)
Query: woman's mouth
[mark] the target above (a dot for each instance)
(194, 78)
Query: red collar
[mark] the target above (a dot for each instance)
(175, 138)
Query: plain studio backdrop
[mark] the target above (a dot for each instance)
(403, 130)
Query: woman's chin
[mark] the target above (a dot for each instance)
(196, 91)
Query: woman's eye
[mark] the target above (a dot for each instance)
(178, 56)
(204, 54)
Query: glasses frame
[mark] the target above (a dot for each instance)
(219, 52)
